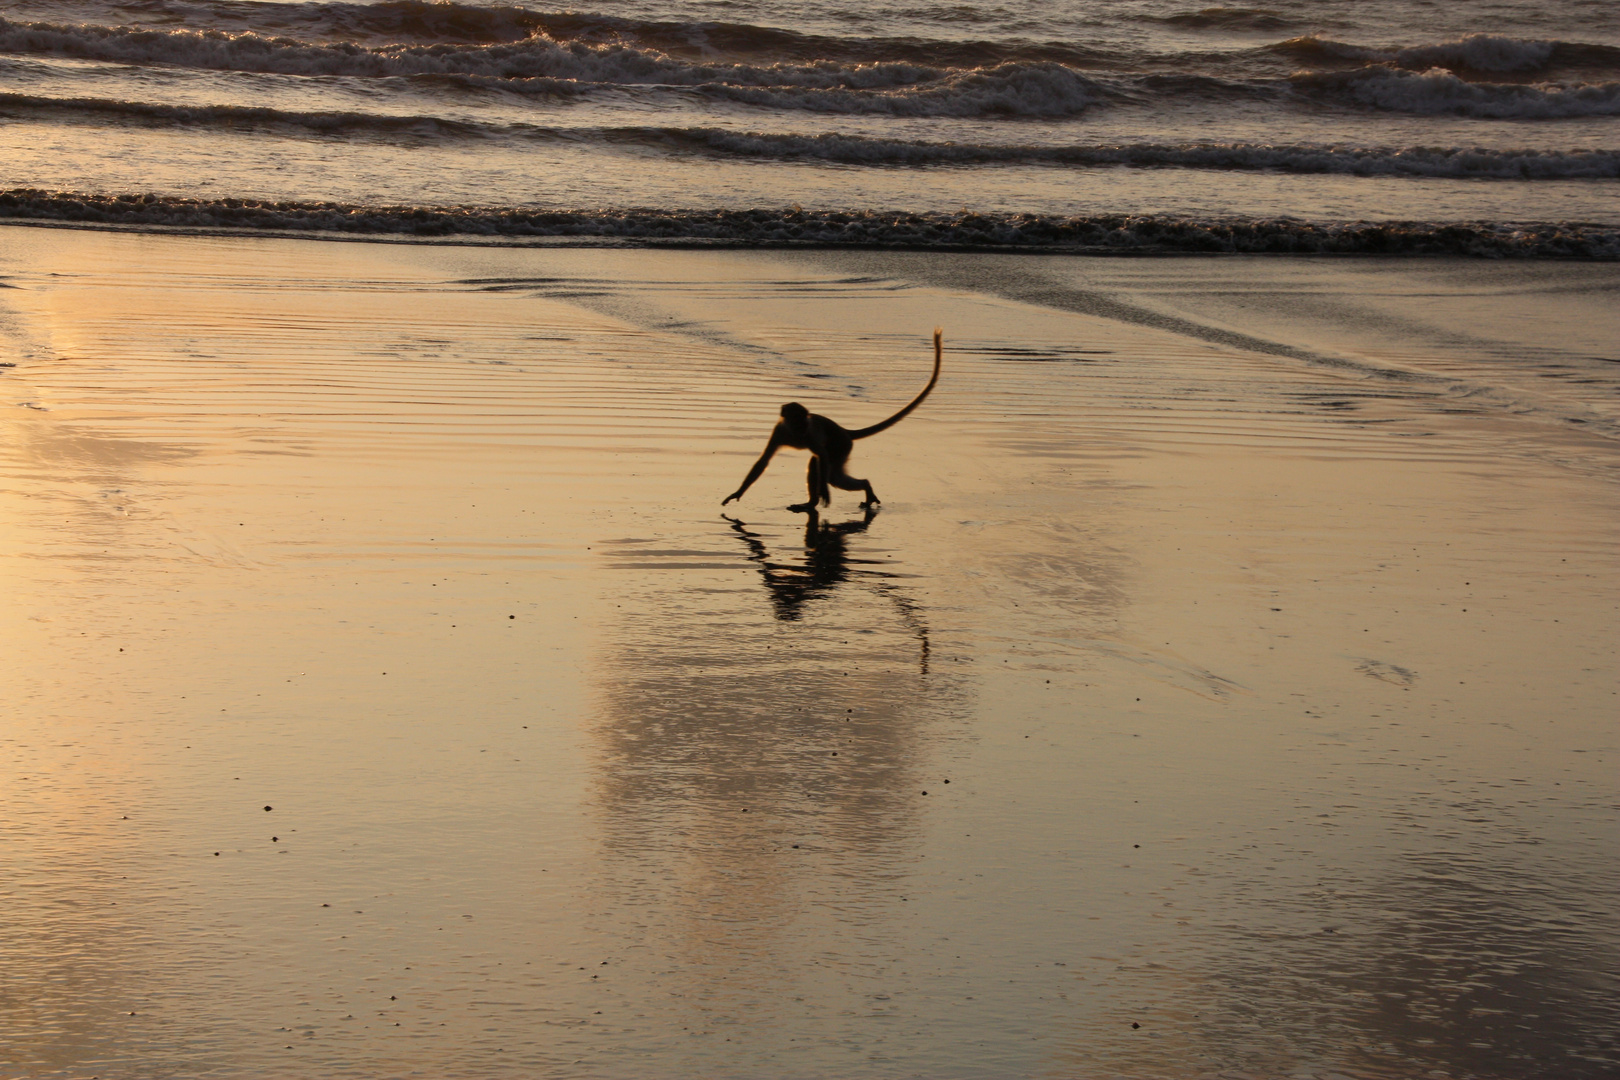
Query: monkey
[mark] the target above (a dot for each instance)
(829, 444)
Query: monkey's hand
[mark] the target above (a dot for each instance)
(730, 498)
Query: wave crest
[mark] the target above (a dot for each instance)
(536, 56)
(1438, 91)
(439, 22)
(1045, 90)
(1481, 53)
(1026, 88)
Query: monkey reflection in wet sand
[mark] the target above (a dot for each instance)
(829, 445)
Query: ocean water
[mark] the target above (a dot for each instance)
(1300, 125)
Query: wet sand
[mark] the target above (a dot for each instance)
(1226, 686)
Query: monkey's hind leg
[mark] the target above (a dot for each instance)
(817, 485)
(842, 480)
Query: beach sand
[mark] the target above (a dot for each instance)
(1226, 685)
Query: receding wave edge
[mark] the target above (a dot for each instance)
(1093, 234)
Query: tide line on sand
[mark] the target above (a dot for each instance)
(795, 227)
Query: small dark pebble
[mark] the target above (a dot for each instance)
(216, 854)
(275, 839)
(268, 809)
(1134, 1024)
(511, 616)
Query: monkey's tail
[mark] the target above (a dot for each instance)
(918, 400)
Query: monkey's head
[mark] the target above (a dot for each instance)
(795, 414)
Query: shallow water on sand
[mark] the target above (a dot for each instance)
(1224, 684)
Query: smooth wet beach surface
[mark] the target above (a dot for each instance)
(1225, 686)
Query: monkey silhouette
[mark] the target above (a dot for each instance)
(829, 444)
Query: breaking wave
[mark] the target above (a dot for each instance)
(573, 54)
(1099, 234)
(441, 22)
(1024, 88)
(1438, 91)
(1484, 53)
(1034, 90)
(536, 56)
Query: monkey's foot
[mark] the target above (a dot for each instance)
(803, 508)
(873, 501)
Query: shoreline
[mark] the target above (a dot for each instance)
(793, 228)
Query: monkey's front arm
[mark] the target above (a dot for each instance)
(759, 467)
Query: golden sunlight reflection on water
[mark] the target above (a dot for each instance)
(386, 692)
